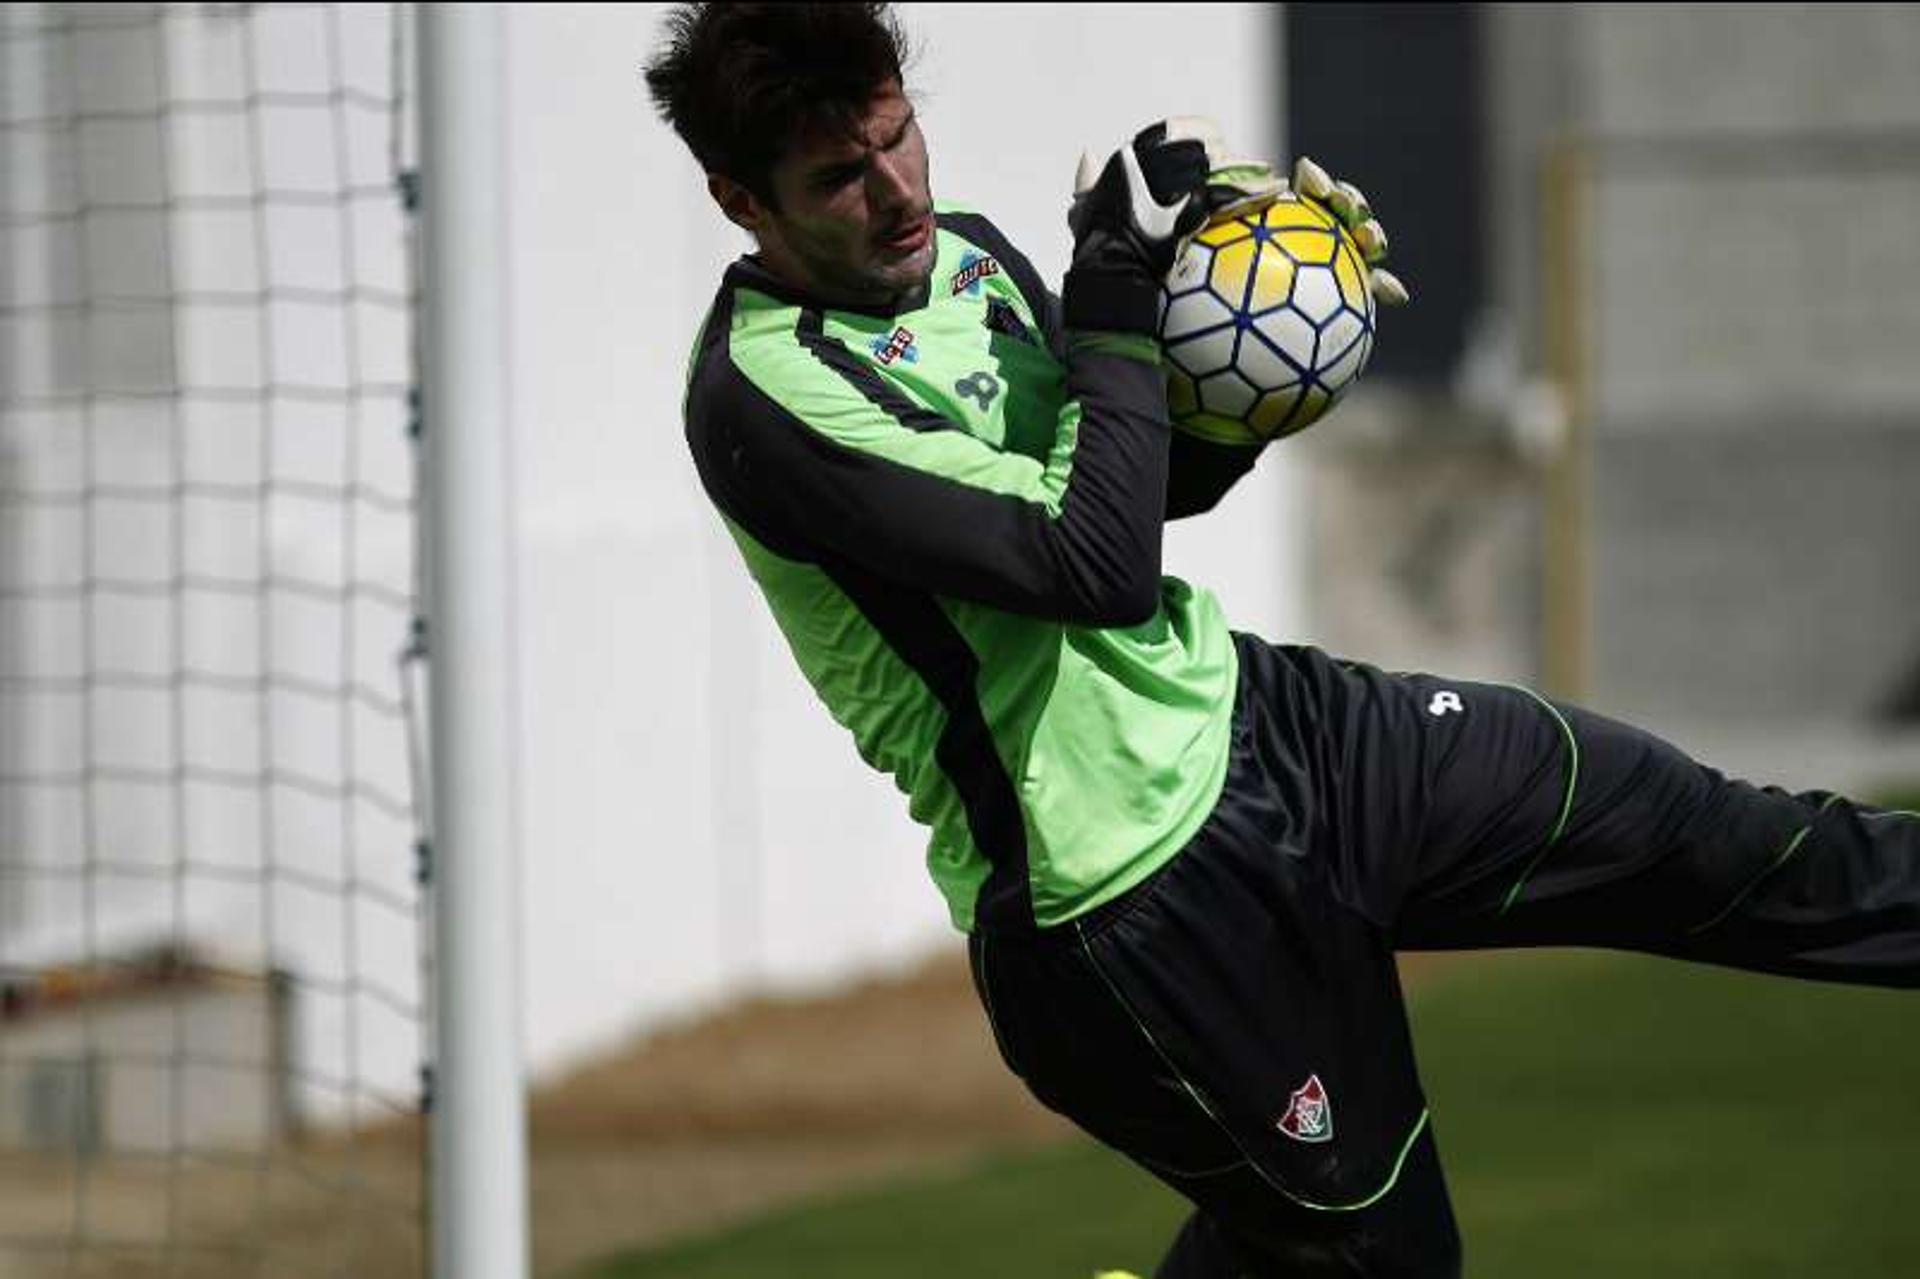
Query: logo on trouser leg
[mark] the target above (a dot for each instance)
(1309, 1114)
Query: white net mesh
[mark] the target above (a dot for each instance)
(209, 924)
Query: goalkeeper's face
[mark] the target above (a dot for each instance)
(854, 221)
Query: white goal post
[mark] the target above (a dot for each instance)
(479, 1225)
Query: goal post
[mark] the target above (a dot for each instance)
(479, 1228)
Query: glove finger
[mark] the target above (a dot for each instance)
(1198, 128)
(1386, 288)
(1173, 169)
(1247, 175)
(1349, 204)
(1246, 164)
(1372, 239)
(1242, 186)
(1310, 180)
(1085, 175)
(1230, 202)
(1111, 177)
(1194, 216)
(1181, 128)
(1158, 216)
(1181, 136)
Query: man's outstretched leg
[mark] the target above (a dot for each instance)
(1526, 822)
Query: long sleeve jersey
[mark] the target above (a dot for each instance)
(954, 511)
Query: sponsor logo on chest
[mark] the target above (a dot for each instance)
(974, 267)
(898, 345)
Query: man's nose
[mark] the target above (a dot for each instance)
(888, 182)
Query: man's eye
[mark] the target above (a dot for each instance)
(833, 179)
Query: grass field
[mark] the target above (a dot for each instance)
(1601, 1115)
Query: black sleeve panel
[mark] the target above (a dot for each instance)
(1200, 472)
(810, 496)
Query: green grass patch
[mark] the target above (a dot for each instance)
(1904, 799)
(1604, 1115)
(1059, 1213)
(1600, 1115)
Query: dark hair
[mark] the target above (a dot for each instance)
(740, 82)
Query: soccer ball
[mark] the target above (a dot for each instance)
(1266, 321)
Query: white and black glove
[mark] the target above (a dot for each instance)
(1240, 186)
(1347, 203)
(1130, 219)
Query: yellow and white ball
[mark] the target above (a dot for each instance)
(1266, 321)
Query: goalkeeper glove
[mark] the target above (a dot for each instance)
(1131, 218)
(1345, 202)
(1241, 186)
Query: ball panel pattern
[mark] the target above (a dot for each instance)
(1293, 212)
(1291, 334)
(1316, 294)
(1269, 416)
(1190, 272)
(1217, 234)
(1266, 321)
(1273, 284)
(1315, 247)
(1228, 394)
(1352, 277)
(1264, 365)
(1231, 275)
(1341, 332)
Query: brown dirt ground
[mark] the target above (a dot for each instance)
(688, 1129)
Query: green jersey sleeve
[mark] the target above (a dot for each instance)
(804, 445)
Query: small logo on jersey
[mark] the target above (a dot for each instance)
(1002, 318)
(1309, 1114)
(974, 267)
(979, 386)
(898, 345)
(1445, 700)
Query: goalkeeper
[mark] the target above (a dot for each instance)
(1183, 857)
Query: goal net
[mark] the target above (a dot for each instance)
(212, 1014)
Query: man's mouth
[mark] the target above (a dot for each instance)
(910, 237)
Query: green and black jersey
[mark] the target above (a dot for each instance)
(955, 512)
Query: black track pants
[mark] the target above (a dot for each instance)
(1235, 1024)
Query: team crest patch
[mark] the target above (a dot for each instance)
(1309, 1114)
(974, 267)
(896, 346)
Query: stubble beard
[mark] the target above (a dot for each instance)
(876, 282)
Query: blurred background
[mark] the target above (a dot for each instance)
(1648, 438)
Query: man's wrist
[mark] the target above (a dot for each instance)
(1138, 347)
(1109, 300)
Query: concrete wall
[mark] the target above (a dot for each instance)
(1754, 240)
(1750, 256)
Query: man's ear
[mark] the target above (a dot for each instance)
(741, 206)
